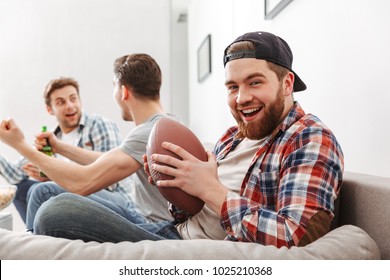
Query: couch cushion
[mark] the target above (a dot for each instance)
(347, 242)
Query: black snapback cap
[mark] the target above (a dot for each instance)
(268, 47)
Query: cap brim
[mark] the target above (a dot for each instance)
(299, 85)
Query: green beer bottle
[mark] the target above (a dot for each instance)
(46, 150)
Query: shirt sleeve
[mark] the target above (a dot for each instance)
(276, 207)
(104, 135)
(136, 141)
(12, 171)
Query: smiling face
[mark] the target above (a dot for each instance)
(258, 100)
(65, 105)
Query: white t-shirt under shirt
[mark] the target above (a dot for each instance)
(231, 173)
(71, 138)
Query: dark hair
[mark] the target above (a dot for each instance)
(140, 73)
(57, 84)
(280, 71)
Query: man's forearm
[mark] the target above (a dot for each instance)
(77, 154)
(66, 174)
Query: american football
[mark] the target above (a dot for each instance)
(169, 130)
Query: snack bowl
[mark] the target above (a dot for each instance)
(7, 195)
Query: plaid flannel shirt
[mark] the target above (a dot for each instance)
(295, 173)
(96, 133)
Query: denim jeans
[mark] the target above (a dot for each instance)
(43, 192)
(73, 216)
(22, 194)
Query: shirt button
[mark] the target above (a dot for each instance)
(228, 229)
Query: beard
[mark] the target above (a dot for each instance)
(260, 128)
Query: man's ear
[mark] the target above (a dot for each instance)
(125, 93)
(49, 110)
(288, 84)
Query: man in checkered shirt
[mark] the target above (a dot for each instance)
(92, 132)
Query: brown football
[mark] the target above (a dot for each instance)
(169, 130)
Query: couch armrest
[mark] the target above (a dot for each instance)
(365, 204)
(346, 242)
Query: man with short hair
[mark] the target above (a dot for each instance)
(76, 127)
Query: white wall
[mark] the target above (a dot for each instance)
(208, 113)
(179, 61)
(341, 50)
(44, 39)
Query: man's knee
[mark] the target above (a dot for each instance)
(55, 210)
(44, 190)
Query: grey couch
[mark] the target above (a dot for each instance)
(361, 230)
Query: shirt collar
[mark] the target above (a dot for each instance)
(295, 113)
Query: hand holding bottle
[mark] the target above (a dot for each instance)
(42, 138)
(46, 149)
(33, 172)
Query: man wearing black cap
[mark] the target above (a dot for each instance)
(279, 170)
(272, 179)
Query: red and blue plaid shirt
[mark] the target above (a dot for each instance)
(296, 172)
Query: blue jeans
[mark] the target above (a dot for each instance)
(43, 192)
(73, 216)
(22, 195)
